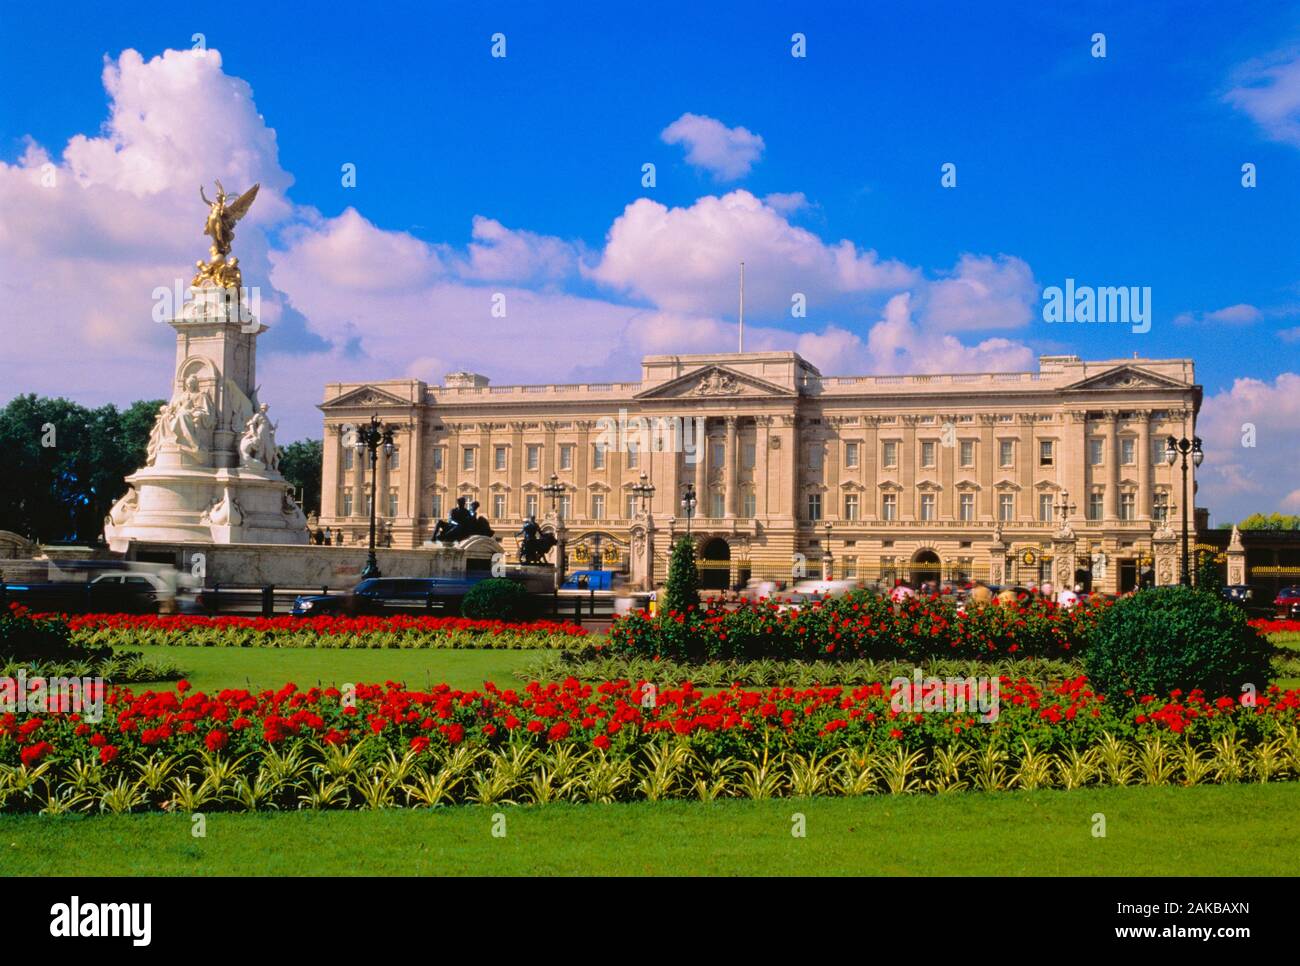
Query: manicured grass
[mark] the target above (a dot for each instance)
(213, 668)
(1209, 830)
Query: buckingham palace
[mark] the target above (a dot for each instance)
(1053, 475)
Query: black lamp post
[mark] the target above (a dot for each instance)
(554, 490)
(1173, 449)
(644, 491)
(371, 438)
(688, 504)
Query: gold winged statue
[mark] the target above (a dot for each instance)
(221, 271)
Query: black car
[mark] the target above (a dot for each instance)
(1253, 600)
(381, 596)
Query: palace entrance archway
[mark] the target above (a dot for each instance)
(926, 568)
(715, 565)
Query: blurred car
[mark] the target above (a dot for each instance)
(119, 592)
(381, 596)
(1287, 602)
(1254, 600)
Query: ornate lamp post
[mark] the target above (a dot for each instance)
(644, 491)
(1065, 508)
(688, 504)
(372, 438)
(1173, 449)
(828, 562)
(554, 489)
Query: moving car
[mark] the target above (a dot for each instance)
(380, 596)
(120, 592)
(1287, 602)
(1253, 600)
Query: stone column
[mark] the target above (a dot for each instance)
(869, 508)
(1063, 560)
(1143, 456)
(908, 499)
(732, 468)
(762, 446)
(331, 474)
(1111, 504)
(515, 495)
(1028, 460)
(985, 509)
(381, 484)
(360, 457)
(1165, 550)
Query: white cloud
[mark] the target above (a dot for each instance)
(1238, 480)
(1239, 314)
(726, 152)
(498, 253)
(981, 292)
(1268, 90)
(688, 259)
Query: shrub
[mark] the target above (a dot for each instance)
(28, 637)
(496, 599)
(1169, 638)
(682, 593)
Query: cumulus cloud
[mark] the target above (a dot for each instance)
(1239, 314)
(498, 253)
(1237, 480)
(981, 292)
(1268, 90)
(687, 259)
(727, 153)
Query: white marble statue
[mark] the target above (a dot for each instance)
(122, 511)
(257, 449)
(156, 435)
(289, 507)
(188, 420)
(224, 512)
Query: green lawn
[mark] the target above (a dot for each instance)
(212, 668)
(1209, 830)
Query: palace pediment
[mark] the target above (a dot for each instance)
(365, 397)
(1126, 377)
(715, 382)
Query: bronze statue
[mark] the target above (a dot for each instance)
(536, 543)
(457, 526)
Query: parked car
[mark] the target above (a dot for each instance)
(1287, 602)
(381, 596)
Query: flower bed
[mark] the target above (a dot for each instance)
(385, 746)
(121, 630)
(861, 625)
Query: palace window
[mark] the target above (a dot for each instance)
(1161, 510)
(717, 504)
(1128, 505)
(467, 460)
(850, 455)
(967, 507)
(1095, 499)
(1006, 453)
(392, 504)
(717, 454)
(566, 505)
(437, 458)
(749, 504)
(927, 452)
(347, 503)
(850, 567)
(967, 454)
(633, 454)
(1128, 451)
(850, 506)
(395, 460)
(435, 506)
(1044, 508)
(889, 453)
(1046, 452)
(499, 459)
(814, 506)
(349, 458)
(816, 455)
(498, 506)
(534, 457)
(1095, 449)
(888, 570)
(748, 455)
(1158, 448)
(530, 505)
(598, 457)
(927, 506)
(598, 506)
(1006, 507)
(369, 502)
(889, 506)
(566, 456)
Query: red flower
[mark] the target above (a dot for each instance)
(216, 740)
(34, 753)
(601, 742)
(182, 686)
(419, 743)
(107, 754)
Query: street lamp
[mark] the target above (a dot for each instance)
(1065, 508)
(554, 490)
(688, 504)
(644, 491)
(828, 562)
(372, 438)
(1173, 449)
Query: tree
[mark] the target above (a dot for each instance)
(1271, 521)
(682, 592)
(65, 464)
(301, 462)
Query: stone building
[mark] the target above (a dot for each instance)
(1055, 475)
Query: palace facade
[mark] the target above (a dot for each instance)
(1055, 475)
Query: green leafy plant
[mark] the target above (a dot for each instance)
(1170, 638)
(496, 599)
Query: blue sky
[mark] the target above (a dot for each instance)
(1117, 171)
